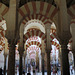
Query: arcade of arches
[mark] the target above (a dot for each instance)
(37, 36)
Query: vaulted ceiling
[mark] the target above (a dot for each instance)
(22, 2)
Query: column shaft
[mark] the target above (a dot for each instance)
(65, 60)
(20, 65)
(5, 57)
(11, 61)
(48, 64)
(42, 64)
(24, 64)
(48, 48)
(74, 63)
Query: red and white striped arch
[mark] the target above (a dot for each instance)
(34, 33)
(38, 10)
(70, 44)
(39, 17)
(39, 45)
(33, 56)
(33, 39)
(33, 48)
(56, 44)
(3, 9)
(2, 43)
(2, 32)
(71, 10)
(34, 43)
(73, 20)
(52, 36)
(52, 30)
(38, 33)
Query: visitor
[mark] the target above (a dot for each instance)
(34, 73)
(55, 70)
(28, 73)
(71, 68)
(0, 71)
(23, 71)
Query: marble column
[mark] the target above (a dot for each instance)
(40, 63)
(63, 31)
(74, 59)
(48, 48)
(43, 63)
(60, 61)
(5, 60)
(21, 50)
(11, 59)
(74, 65)
(20, 64)
(24, 64)
(48, 64)
(65, 60)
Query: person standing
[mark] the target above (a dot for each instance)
(0, 71)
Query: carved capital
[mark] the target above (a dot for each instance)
(21, 50)
(47, 26)
(43, 54)
(48, 51)
(73, 51)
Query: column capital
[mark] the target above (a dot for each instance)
(63, 41)
(25, 53)
(64, 48)
(5, 55)
(11, 44)
(73, 51)
(47, 26)
(21, 50)
(48, 51)
(43, 54)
